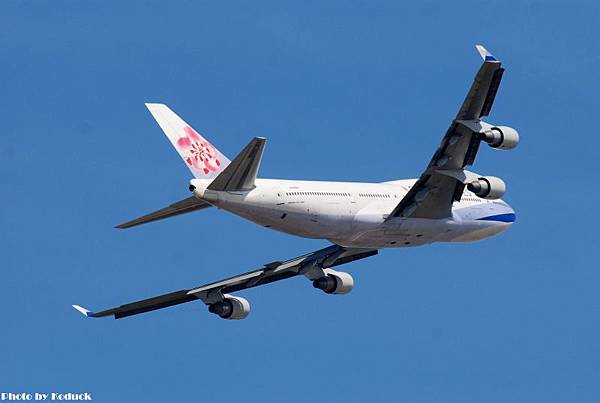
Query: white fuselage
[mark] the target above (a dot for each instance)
(354, 214)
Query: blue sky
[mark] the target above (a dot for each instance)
(353, 91)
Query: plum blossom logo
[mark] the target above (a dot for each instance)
(198, 153)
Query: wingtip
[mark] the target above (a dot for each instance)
(485, 54)
(83, 311)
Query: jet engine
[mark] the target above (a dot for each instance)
(231, 307)
(501, 137)
(488, 187)
(334, 282)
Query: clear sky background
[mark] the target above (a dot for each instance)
(349, 91)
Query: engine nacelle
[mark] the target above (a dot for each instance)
(231, 307)
(334, 282)
(488, 187)
(501, 137)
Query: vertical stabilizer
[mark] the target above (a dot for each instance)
(200, 156)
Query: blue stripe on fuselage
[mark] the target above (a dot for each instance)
(508, 217)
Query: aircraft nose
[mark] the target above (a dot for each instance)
(506, 213)
(500, 212)
(512, 211)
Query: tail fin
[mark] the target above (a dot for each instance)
(204, 160)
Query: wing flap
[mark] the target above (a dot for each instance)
(492, 91)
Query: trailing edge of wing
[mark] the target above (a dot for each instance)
(181, 207)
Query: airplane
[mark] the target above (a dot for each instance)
(447, 203)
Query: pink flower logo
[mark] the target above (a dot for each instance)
(198, 153)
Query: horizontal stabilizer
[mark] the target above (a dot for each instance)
(241, 172)
(181, 207)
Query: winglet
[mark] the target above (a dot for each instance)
(83, 311)
(485, 54)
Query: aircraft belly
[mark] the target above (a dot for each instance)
(476, 231)
(395, 233)
(300, 219)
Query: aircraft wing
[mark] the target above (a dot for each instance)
(444, 180)
(181, 207)
(307, 264)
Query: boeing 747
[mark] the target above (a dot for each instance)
(447, 203)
